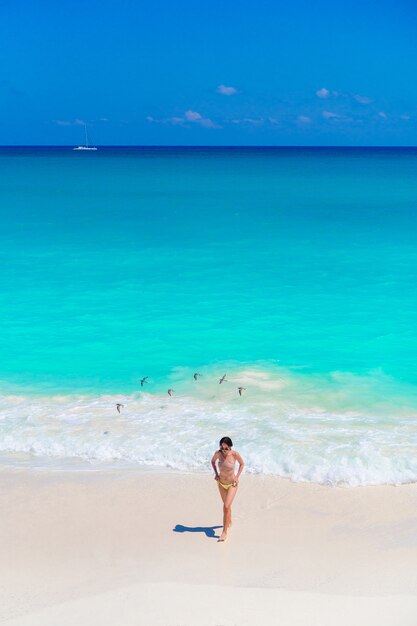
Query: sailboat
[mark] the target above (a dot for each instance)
(86, 147)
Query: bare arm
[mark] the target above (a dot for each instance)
(214, 466)
(241, 464)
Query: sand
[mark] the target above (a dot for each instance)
(131, 548)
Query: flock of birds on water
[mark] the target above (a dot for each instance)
(144, 380)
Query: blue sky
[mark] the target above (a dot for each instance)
(208, 73)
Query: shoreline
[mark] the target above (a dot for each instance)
(46, 465)
(74, 543)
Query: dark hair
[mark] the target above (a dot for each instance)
(227, 441)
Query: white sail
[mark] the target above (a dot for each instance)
(86, 147)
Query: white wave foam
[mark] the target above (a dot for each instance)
(329, 430)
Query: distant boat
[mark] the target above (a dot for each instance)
(86, 147)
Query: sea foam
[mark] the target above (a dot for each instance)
(325, 429)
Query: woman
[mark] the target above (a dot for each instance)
(226, 478)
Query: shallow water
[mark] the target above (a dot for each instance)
(291, 270)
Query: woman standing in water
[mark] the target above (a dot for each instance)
(226, 478)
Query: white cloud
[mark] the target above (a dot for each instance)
(175, 120)
(304, 119)
(189, 117)
(329, 115)
(249, 120)
(226, 91)
(323, 93)
(208, 123)
(76, 122)
(362, 99)
(192, 116)
(405, 117)
(195, 117)
(326, 93)
(104, 119)
(383, 115)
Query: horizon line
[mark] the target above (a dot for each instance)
(208, 146)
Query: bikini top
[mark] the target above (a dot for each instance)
(225, 460)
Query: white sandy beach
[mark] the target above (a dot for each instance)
(100, 549)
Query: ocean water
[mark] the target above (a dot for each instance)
(291, 270)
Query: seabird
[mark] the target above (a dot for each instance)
(223, 379)
(170, 391)
(119, 406)
(143, 380)
(196, 375)
(240, 389)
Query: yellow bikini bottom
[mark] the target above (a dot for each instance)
(227, 485)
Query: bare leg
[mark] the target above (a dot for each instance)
(227, 497)
(223, 494)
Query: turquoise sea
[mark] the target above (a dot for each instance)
(291, 270)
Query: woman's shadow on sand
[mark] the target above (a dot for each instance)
(209, 531)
